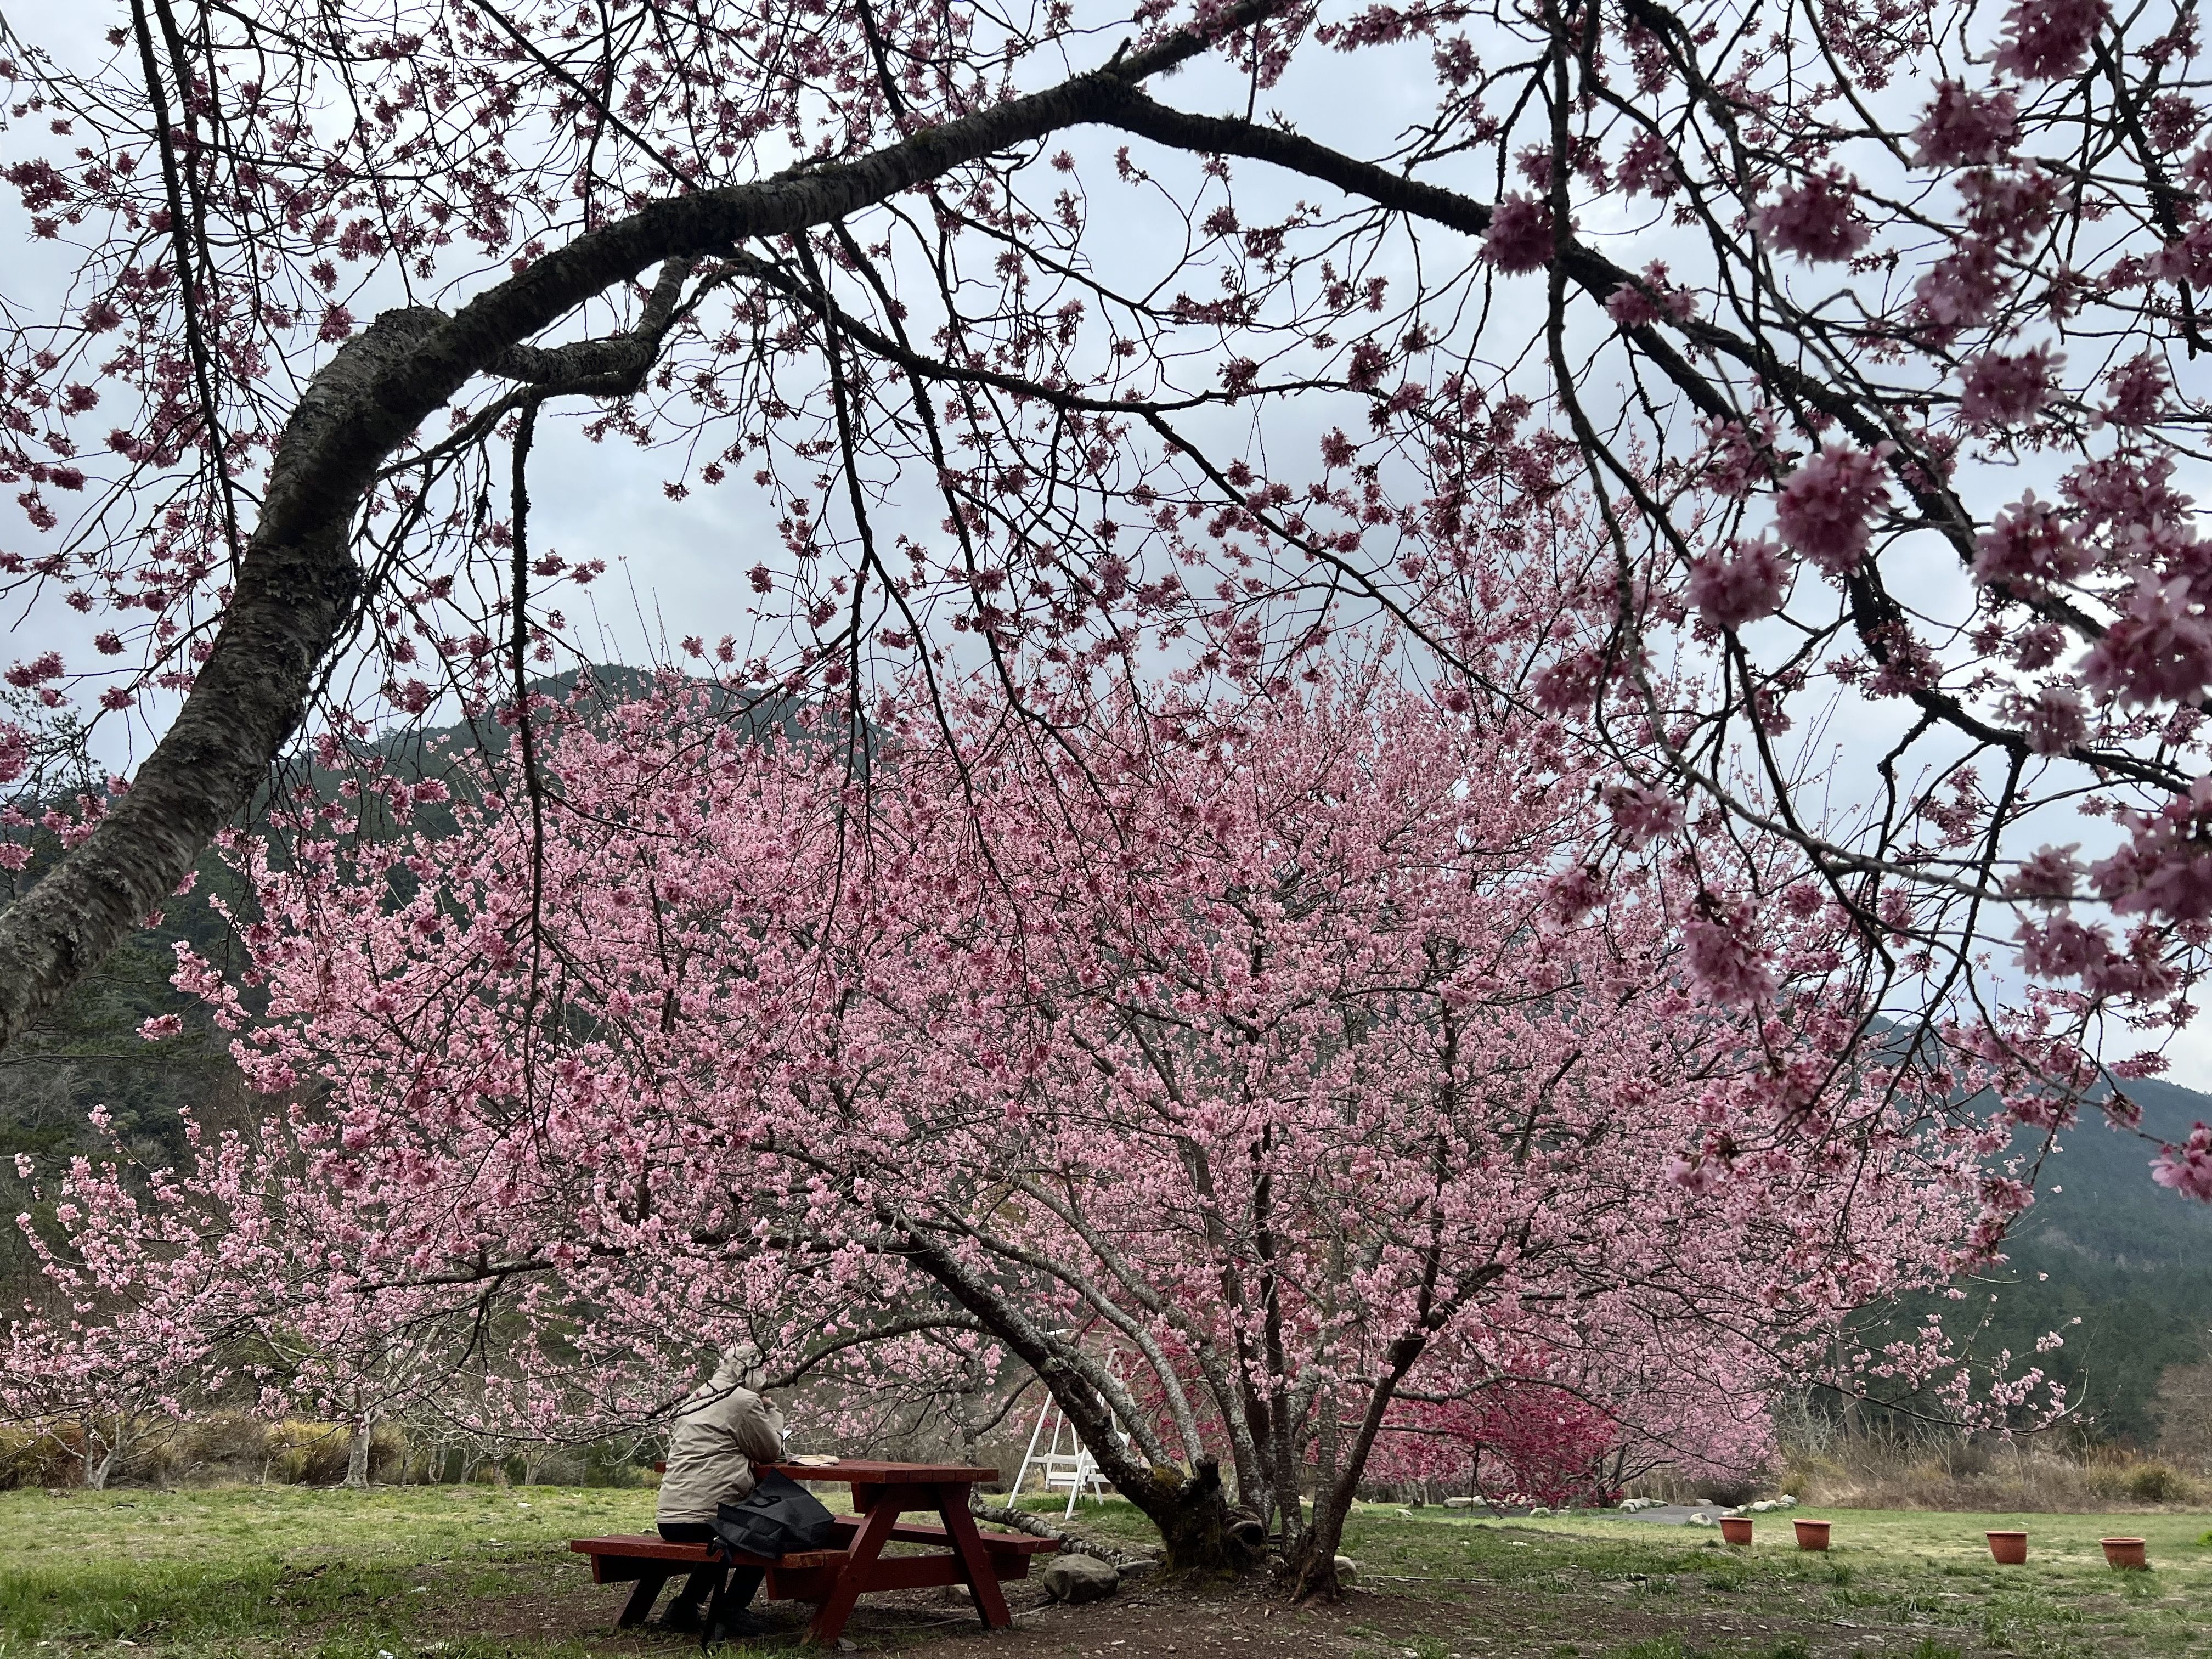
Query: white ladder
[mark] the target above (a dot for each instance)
(1073, 1470)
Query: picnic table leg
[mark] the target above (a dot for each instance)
(640, 1605)
(875, 1531)
(982, 1577)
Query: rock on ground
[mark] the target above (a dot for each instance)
(1076, 1578)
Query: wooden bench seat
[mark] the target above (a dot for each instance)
(649, 1561)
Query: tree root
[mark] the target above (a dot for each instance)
(1071, 1541)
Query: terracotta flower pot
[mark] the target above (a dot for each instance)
(1811, 1535)
(2126, 1553)
(2007, 1549)
(1736, 1529)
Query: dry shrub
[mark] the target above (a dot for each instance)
(305, 1453)
(38, 1454)
(229, 1445)
(1873, 1473)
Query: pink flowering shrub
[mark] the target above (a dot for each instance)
(1274, 966)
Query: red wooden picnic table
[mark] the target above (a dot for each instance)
(835, 1578)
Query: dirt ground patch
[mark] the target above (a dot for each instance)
(1176, 1622)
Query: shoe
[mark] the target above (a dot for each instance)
(738, 1625)
(686, 1618)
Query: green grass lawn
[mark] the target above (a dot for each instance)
(471, 1573)
(209, 1568)
(1910, 1584)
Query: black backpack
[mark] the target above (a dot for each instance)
(779, 1516)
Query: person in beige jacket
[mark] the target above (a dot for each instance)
(724, 1427)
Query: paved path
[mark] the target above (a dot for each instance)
(1666, 1514)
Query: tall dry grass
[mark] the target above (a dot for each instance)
(1929, 1466)
(221, 1448)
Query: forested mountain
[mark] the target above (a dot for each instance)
(2124, 1257)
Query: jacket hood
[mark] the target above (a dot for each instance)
(739, 1368)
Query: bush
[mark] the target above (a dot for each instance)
(2160, 1483)
(304, 1453)
(34, 1455)
(228, 1443)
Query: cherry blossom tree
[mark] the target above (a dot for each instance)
(1836, 365)
(1259, 1076)
(1519, 1443)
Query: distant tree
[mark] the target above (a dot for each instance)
(1520, 1443)
(2182, 1406)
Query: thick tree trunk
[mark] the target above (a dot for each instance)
(364, 1434)
(1202, 1531)
(1310, 1568)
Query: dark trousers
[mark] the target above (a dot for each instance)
(743, 1581)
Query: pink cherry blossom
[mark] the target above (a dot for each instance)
(1815, 219)
(2046, 39)
(1824, 505)
(2048, 874)
(1173, 973)
(1630, 307)
(2063, 948)
(1723, 948)
(1961, 289)
(1748, 582)
(1641, 815)
(2139, 389)
(1648, 169)
(1697, 1176)
(2001, 389)
(2188, 258)
(1572, 896)
(2187, 1169)
(2054, 720)
(2158, 650)
(1520, 237)
(973, 371)
(2164, 870)
(2030, 544)
(1964, 127)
